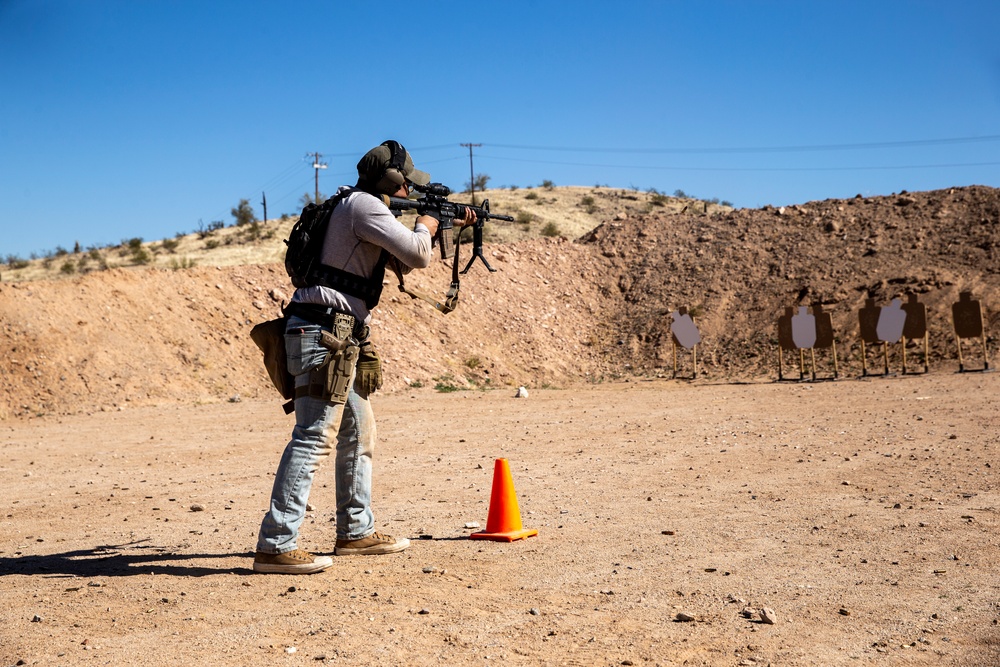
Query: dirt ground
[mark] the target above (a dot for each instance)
(862, 513)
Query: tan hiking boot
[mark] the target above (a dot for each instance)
(373, 545)
(290, 562)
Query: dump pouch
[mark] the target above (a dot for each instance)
(270, 338)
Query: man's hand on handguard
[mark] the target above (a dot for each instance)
(469, 219)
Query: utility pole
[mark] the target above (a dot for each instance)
(263, 201)
(317, 165)
(472, 175)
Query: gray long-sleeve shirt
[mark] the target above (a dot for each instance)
(360, 227)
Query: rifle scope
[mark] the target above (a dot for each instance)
(438, 189)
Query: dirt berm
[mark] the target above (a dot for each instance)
(555, 312)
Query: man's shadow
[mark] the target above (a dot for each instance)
(122, 560)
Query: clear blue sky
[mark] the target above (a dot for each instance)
(122, 119)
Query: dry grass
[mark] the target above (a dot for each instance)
(568, 212)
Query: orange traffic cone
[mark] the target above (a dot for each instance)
(504, 521)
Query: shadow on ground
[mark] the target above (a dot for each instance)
(120, 561)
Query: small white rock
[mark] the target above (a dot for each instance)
(291, 649)
(521, 393)
(472, 525)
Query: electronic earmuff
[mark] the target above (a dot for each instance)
(392, 177)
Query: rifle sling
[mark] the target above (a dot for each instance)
(451, 298)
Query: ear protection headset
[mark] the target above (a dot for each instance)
(392, 177)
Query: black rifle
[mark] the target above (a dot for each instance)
(434, 202)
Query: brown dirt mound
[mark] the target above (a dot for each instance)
(554, 312)
(738, 271)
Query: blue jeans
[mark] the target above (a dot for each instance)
(315, 420)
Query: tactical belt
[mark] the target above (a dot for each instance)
(323, 316)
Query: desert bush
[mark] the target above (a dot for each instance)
(548, 185)
(531, 195)
(170, 245)
(254, 232)
(550, 229)
(589, 204)
(15, 262)
(211, 243)
(308, 198)
(183, 263)
(680, 194)
(446, 384)
(524, 218)
(213, 227)
(68, 267)
(479, 182)
(243, 213)
(98, 257)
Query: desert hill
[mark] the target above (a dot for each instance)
(585, 298)
(738, 270)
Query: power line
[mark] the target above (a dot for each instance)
(764, 149)
(357, 154)
(679, 168)
(295, 190)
